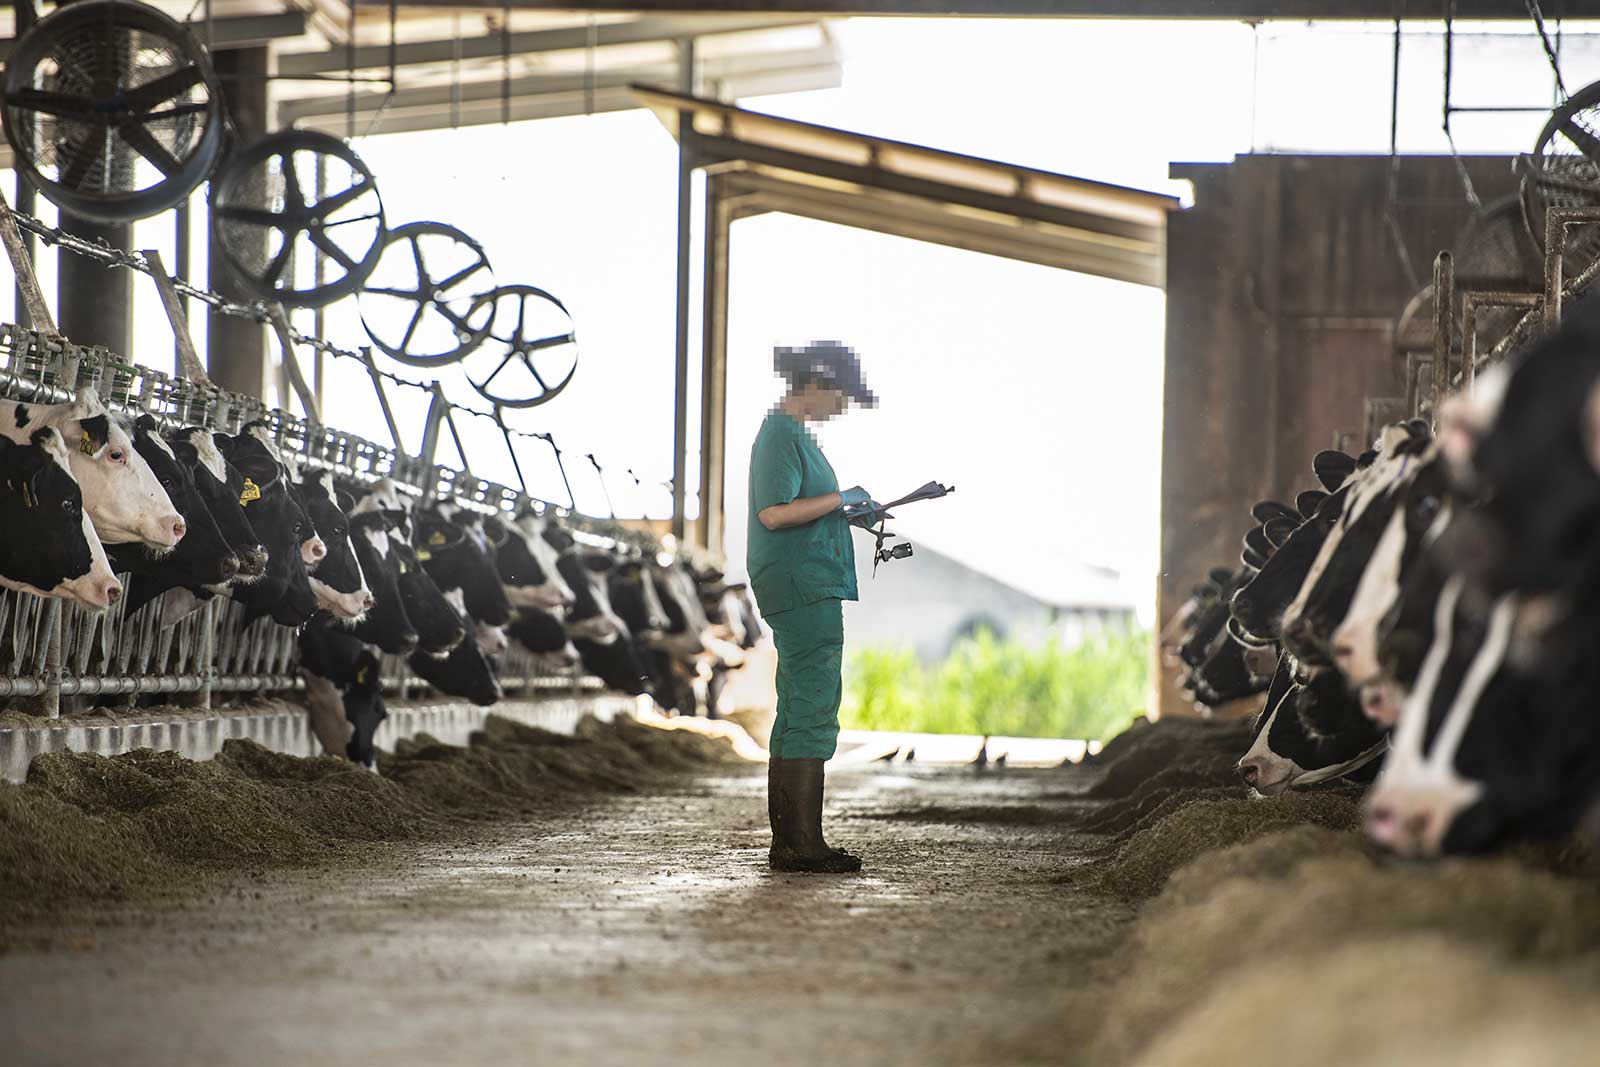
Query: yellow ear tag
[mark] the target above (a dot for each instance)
(423, 555)
(405, 568)
(27, 496)
(437, 538)
(85, 445)
(251, 491)
(361, 676)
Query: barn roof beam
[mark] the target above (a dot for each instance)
(493, 46)
(543, 96)
(1229, 10)
(243, 31)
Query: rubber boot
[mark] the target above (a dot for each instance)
(800, 845)
(774, 811)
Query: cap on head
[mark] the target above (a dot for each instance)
(830, 362)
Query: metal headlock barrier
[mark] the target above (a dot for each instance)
(53, 650)
(1459, 352)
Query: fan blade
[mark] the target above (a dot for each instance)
(1586, 142)
(144, 142)
(81, 156)
(294, 201)
(460, 276)
(254, 216)
(550, 342)
(63, 105)
(328, 245)
(146, 96)
(328, 205)
(279, 261)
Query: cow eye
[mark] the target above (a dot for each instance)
(69, 506)
(117, 455)
(1428, 507)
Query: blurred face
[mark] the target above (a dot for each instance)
(819, 403)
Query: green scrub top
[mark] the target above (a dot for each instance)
(799, 564)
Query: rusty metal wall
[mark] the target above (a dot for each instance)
(1283, 286)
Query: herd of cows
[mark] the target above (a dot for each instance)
(101, 509)
(1425, 617)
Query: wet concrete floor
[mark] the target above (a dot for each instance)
(643, 929)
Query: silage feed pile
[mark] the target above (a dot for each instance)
(1270, 928)
(88, 829)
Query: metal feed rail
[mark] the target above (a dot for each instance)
(50, 649)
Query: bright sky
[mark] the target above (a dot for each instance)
(1036, 392)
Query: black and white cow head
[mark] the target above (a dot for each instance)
(460, 557)
(388, 625)
(281, 527)
(1423, 509)
(1498, 738)
(221, 487)
(527, 564)
(1310, 730)
(337, 579)
(52, 549)
(466, 672)
(120, 492)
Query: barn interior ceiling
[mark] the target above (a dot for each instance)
(1248, 10)
(356, 69)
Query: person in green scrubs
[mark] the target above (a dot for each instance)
(802, 568)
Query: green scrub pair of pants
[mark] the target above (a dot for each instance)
(810, 640)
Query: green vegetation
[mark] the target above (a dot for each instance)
(987, 686)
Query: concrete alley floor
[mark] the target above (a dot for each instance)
(641, 929)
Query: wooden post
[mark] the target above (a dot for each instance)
(22, 264)
(188, 360)
(291, 365)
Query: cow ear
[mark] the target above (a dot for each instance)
(1278, 530)
(1256, 541)
(86, 404)
(94, 434)
(1220, 576)
(1267, 510)
(1308, 502)
(1332, 467)
(345, 501)
(393, 519)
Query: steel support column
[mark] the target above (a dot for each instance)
(95, 305)
(236, 348)
(714, 366)
(680, 407)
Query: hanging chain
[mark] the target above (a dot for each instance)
(1544, 38)
(115, 258)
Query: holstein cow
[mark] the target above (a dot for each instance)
(280, 526)
(544, 635)
(459, 558)
(344, 689)
(202, 558)
(123, 499)
(337, 578)
(1396, 564)
(53, 549)
(466, 672)
(528, 564)
(388, 626)
(1310, 730)
(221, 485)
(1498, 735)
(1324, 596)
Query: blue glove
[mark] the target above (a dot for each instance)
(855, 496)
